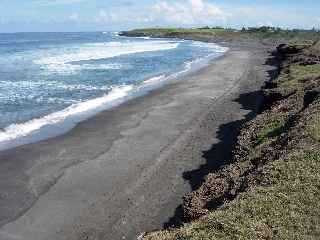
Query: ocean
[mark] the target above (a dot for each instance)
(49, 82)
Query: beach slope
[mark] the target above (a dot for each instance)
(126, 170)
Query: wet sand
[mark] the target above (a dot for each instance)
(123, 172)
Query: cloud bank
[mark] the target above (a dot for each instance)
(189, 13)
(125, 14)
(205, 12)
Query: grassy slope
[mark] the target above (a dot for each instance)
(263, 33)
(195, 34)
(162, 32)
(288, 209)
(275, 178)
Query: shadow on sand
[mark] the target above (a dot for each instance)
(220, 154)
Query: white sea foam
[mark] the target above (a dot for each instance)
(68, 60)
(213, 46)
(15, 131)
(67, 68)
(20, 90)
(146, 38)
(65, 60)
(77, 111)
(155, 79)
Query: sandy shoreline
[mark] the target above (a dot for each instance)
(125, 170)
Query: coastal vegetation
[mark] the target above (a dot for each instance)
(271, 188)
(267, 34)
(286, 208)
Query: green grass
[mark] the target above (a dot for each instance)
(183, 30)
(314, 129)
(176, 30)
(270, 130)
(297, 73)
(167, 32)
(315, 48)
(300, 71)
(288, 209)
(263, 33)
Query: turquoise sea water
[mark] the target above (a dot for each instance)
(51, 81)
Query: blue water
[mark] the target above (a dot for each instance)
(47, 79)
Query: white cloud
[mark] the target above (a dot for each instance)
(74, 17)
(105, 16)
(187, 13)
(257, 15)
(190, 12)
(102, 16)
(197, 4)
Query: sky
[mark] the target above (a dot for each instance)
(116, 15)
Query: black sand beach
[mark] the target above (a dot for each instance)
(126, 170)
